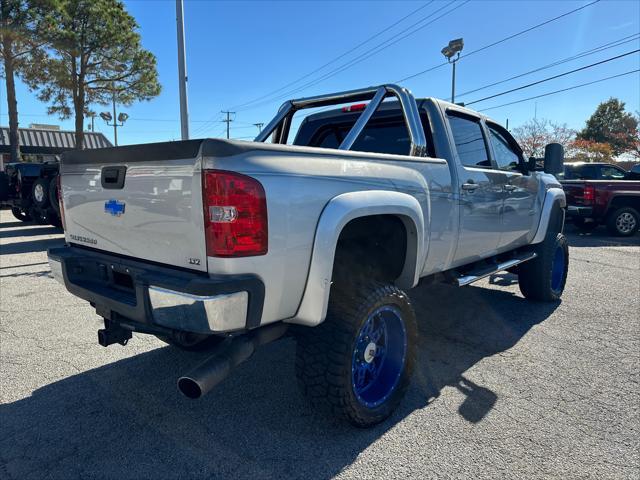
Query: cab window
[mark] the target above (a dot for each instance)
(612, 173)
(505, 155)
(469, 140)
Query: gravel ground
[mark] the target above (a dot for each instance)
(504, 387)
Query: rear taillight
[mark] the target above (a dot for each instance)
(60, 203)
(235, 214)
(589, 194)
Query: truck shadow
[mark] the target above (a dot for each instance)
(127, 420)
(13, 224)
(30, 232)
(30, 246)
(599, 237)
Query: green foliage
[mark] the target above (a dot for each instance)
(96, 53)
(611, 124)
(20, 47)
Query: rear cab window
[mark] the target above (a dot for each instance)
(386, 132)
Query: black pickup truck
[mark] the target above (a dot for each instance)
(31, 191)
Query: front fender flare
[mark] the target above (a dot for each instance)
(336, 214)
(553, 197)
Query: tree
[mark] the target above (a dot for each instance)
(611, 124)
(589, 151)
(20, 47)
(536, 133)
(97, 55)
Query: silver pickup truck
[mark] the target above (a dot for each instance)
(226, 245)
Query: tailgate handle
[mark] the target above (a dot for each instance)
(113, 177)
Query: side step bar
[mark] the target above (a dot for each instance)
(474, 276)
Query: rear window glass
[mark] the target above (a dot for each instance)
(582, 172)
(383, 135)
(388, 137)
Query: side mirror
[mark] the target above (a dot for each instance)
(634, 173)
(554, 158)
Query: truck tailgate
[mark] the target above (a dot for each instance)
(143, 201)
(574, 191)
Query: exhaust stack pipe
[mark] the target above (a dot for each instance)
(213, 370)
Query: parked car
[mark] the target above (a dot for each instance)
(321, 238)
(602, 194)
(31, 191)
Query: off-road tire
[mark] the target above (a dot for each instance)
(20, 215)
(53, 195)
(40, 193)
(191, 342)
(5, 188)
(536, 277)
(623, 222)
(324, 354)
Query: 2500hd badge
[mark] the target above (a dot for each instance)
(78, 238)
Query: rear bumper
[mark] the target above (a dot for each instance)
(159, 297)
(575, 211)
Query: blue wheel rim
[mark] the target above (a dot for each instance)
(379, 356)
(557, 269)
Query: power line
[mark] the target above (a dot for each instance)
(562, 90)
(498, 42)
(553, 77)
(601, 48)
(368, 53)
(338, 57)
(207, 125)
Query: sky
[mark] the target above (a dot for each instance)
(239, 52)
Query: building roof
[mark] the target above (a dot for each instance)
(34, 140)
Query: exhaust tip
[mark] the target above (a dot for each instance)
(189, 387)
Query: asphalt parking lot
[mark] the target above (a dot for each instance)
(504, 388)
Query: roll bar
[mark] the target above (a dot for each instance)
(281, 123)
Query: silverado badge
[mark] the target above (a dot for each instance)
(114, 207)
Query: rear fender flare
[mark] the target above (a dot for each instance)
(335, 216)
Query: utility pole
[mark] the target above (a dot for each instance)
(228, 120)
(182, 72)
(259, 125)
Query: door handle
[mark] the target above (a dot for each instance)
(469, 186)
(510, 188)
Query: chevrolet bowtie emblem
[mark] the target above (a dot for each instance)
(114, 207)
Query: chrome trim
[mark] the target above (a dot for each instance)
(467, 279)
(363, 119)
(196, 313)
(375, 94)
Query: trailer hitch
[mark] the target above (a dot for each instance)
(113, 333)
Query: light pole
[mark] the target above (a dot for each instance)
(259, 125)
(107, 117)
(450, 51)
(182, 72)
